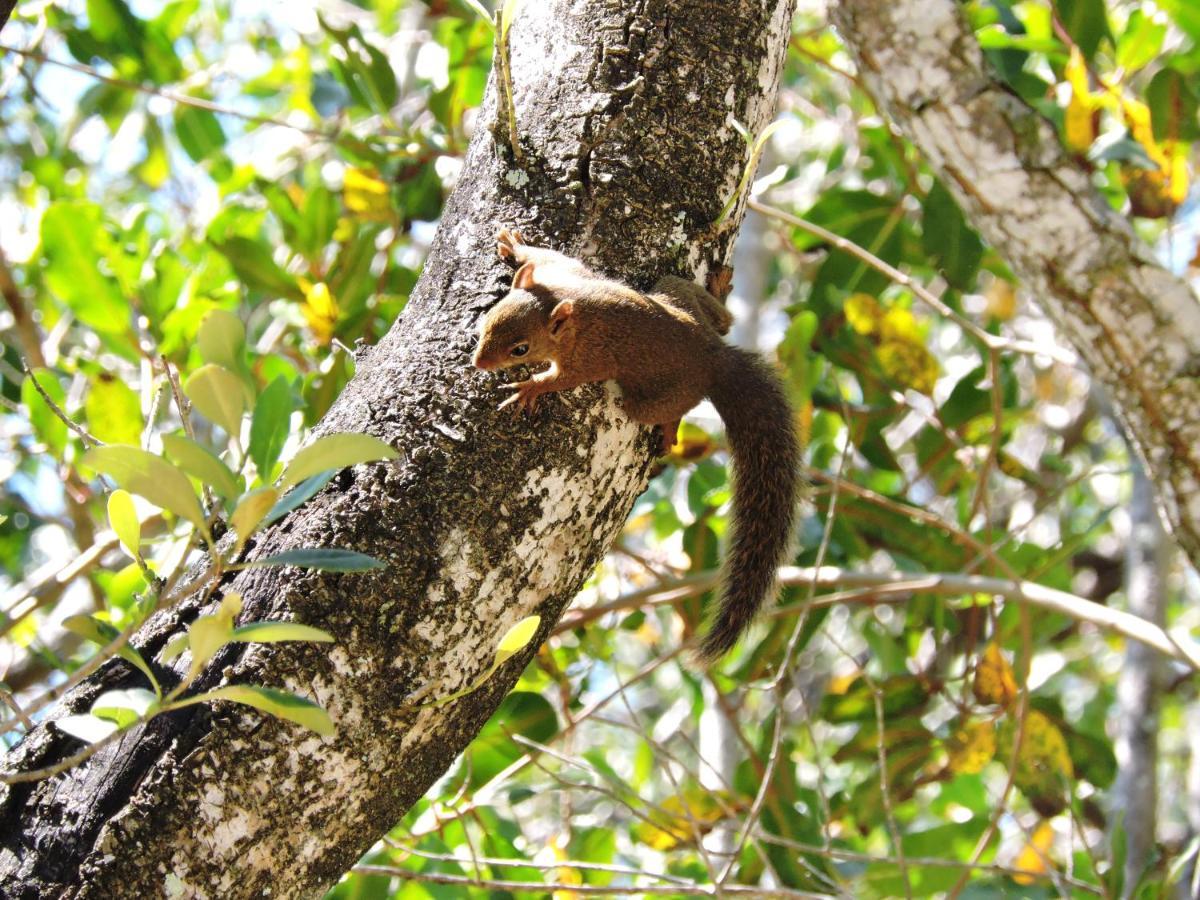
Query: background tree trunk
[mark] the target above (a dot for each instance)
(624, 114)
(1136, 324)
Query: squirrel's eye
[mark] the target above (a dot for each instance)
(519, 350)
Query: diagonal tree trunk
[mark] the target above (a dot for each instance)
(628, 153)
(1136, 324)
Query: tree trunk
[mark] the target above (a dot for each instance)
(1134, 808)
(627, 155)
(1136, 324)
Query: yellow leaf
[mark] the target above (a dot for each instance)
(899, 324)
(1001, 300)
(250, 511)
(972, 747)
(367, 195)
(1178, 180)
(1077, 76)
(1044, 767)
(320, 310)
(994, 681)
(691, 443)
(909, 364)
(1079, 125)
(517, 637)
(863, 312)
(1034, 858)
(680, 818)
(122, 518)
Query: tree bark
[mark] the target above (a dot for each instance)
(1136, 325)
(628, 153)
(1134, 807)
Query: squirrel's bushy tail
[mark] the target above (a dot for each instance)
(762, 439)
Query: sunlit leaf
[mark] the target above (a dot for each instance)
(250, 511)
(208, 634)
(122, 518)
(994, 680)
(972, 747)
(49, 428)
(516, 638)
(202, 464)
(278, 703)
(269, 425)
(335, 451)
(217, 394)
(124, 706)
(148, 476)
(221, 340)
(103, 633)
(88, 728)
(273, 632)
(113, 410)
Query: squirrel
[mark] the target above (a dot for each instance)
(665, 351)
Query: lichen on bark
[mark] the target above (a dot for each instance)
(624, 111)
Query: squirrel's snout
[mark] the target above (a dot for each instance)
(478, 361)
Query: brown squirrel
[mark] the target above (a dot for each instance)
(665, 351)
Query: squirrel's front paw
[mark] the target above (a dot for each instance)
(525, 397)
(507, 244)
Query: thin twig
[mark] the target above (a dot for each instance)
(695, 890)
(922, 293)
(181, 99)
(83, 433)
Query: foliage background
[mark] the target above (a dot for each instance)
(162, 161)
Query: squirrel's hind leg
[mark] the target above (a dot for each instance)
(693, 299)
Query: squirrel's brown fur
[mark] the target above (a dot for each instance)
(665, 351)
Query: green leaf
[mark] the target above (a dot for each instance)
(49, 428)
(250, 512)
(199, 131)
(511, 642)
(301, 495)
(124, 706)
(148, 476)
(273, 632)
(1140, 42)
(335, 451)
(87, 728)
(201, 463)
(103, 633)
(73, 240)
(1173, 106)
(253, 264)
(217, 394)
(113, 410)
(1186, 15)
(280, 704)
(948, 239)
(221, 340)
(516, 638)
(270, 425)
(1087, 23)
(208, 634)
(122, 518)
(522, 712)
(327, 559)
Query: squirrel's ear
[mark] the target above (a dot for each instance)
(560, 315)
(523, 280)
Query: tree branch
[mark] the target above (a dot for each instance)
(1134, 323)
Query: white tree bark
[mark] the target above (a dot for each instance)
(1136, 324)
